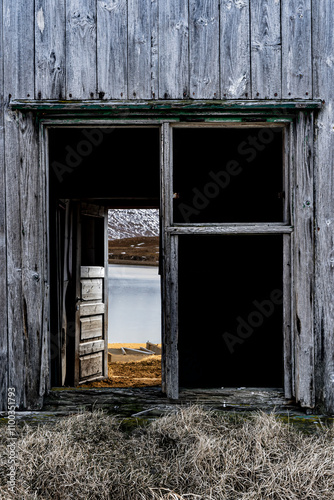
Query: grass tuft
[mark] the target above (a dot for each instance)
(191, 453)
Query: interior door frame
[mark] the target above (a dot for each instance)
(298, 235)
(82, 209)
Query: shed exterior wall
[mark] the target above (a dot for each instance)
(142, 49)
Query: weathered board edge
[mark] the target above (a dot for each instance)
(219, 104)
(3, 256)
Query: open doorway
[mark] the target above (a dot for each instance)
(134, 313)
(91, 171)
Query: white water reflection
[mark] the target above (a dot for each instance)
(134, 313)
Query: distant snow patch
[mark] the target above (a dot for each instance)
(131, 223)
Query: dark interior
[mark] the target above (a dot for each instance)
(228, 175)
(120, 165)
(115, 167)
(92, 248)
(230, 311)
(220, 277)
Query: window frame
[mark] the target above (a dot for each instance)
(298, 236)
(295, 157)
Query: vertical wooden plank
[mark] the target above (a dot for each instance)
(287, 267)
(204, 49)
(170, 367)
(296, 49)
(81, 49)
(112, 26)
(173, 50)
(106, 293)
(32, 194)
(50, 67)
(162, 230)
(3, 272)
(287, 350)
(154, 49)
(140, 48)
(266, 49)
(18, 56)
(172, 355)
(323, 77)
(45, 360)
(304, 262)
(291, 203)
(235, 49)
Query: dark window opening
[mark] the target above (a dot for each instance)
(227, 175)
(230, 311)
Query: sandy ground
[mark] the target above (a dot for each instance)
(130, 370)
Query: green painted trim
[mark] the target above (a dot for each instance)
(175, 107)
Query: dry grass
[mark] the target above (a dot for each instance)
(190, 454)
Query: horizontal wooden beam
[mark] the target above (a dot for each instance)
(230, 229)
(162, 106)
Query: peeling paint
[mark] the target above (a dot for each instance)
(40, 20)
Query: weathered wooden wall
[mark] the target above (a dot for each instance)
(146, 49)
(143, 49)
(323, 78)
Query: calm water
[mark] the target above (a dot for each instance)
(134, 304)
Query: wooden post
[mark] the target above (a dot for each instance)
(304, 261)
(170, 364)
